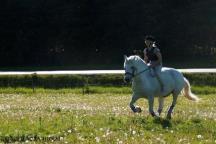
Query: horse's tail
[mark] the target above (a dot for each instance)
(187, 91)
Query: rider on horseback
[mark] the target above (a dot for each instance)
(153, 57)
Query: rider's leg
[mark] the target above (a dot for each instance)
(157, 71)
(152, 72)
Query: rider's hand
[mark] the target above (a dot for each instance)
(149, 65)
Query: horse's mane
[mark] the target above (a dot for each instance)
(135, 58)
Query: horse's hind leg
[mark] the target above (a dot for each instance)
(161, 104)
(175, 96)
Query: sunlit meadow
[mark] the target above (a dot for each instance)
(101, 115)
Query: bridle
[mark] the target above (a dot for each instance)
(134, 75)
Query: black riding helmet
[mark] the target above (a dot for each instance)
(150, 38)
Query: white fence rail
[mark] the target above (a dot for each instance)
(93, 72)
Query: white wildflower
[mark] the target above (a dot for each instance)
(32, 139)
(125, 134)
(81, 138)
(61, 138)
(199, 136)
(97, 139)
(101, 129)
(69, 131)
(158, 139)
(133, 132)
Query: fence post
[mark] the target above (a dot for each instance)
(34, 78)
(85, 85)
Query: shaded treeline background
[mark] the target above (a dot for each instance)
(99, 32)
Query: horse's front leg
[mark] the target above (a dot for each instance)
(151, 106)
(133, 100)
(161, 104)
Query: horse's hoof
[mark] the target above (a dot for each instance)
(155, 115)
(159, 112)
(138, 110)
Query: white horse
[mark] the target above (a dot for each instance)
(144, 85)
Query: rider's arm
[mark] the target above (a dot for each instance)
(145, 56)
(159, 61)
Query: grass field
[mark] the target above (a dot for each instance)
(102, 116)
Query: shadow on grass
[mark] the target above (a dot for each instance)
(165, 123)
(149, 122)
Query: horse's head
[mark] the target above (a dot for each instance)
(129, 69)
(133, 66)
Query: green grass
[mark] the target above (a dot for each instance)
(103, 116)
(93, 90)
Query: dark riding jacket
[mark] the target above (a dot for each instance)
(151, 54)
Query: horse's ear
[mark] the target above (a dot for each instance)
(125, 57)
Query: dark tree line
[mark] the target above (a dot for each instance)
(69, 32)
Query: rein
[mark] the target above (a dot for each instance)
(141, 72)
(134, 75)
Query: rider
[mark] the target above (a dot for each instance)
(153, 58)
